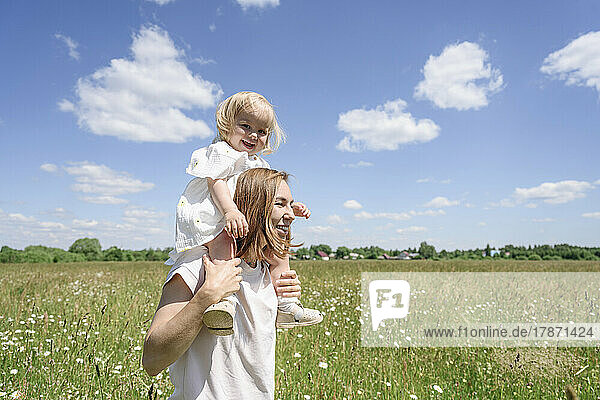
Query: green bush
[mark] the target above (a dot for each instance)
(521, 258)
(535, 257)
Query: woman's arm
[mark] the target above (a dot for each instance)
(236, 223)
(178, 318)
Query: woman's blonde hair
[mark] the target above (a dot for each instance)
(249, 102)
(255, 196)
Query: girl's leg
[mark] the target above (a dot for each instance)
(218, 318)
(290, 312)
(222, 247)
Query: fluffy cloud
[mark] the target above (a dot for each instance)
(383, 215)
(578, 63)
(459, 78)
(431, 180)
(161, 2)
(352, 204)
(104, 181)
(71, 44)
(591, 215)
(554, 193)
(335, 219)
(320, 229)
(246, 4)
(49, 167)
(360, 164)
(441, 202)
(384, 128)
(142, 98)
(543, 220)
(412, 229)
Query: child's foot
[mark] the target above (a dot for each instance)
(218, 318)
(292, 314)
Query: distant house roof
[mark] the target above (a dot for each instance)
(322, 253)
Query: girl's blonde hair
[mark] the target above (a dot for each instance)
(255, 196)
(249, 102)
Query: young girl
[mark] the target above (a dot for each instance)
(206, 214)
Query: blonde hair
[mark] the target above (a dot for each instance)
(249, 102)
(254, 196)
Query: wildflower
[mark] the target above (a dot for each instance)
(297, 355)
(137, 348)
(413, 396)
(307, 397)
(323, 365)
(437, 388)
(79, 360)
(13, 371)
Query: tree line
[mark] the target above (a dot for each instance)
(89, 249)
(85, 249)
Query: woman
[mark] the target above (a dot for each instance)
(242, 365)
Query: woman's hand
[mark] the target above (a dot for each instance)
(288, 284)
(300, 210)
(235, 223)
(221, 278)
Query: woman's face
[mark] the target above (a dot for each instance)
(282, 214)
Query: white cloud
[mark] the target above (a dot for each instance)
(591, 215)
(94, 178)
(531, 205)
(412, 229)
(82, 223)
(142, 98)
(384, 128)
(320, 229)
(459, 78)
(246, 4)
(352, 204)
(49, 167)
(578, 63)
(383, 215)
(431, 180)
(505, 203)
(212, 27)
(71, 44)
(554, 193)
(335, 219)
(482, 224)
(103, 200)
(440, 202)
(161, 2)
(429, 213)
(597, 182)
(360, 164)
(543, 220)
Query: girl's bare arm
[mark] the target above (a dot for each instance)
(236, 223)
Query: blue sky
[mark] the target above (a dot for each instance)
(459, 124)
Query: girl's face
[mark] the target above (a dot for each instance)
(250, 133)
(282, 214)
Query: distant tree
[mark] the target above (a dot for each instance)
(113, 253)
(8, 255)
(342, 252)
(37, 255)
(488, 250)
(89, 247)
(426, 250)
(303, 253)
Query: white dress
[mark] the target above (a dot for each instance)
(198, 220)
(239, 366)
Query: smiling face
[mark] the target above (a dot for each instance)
(250, 132)
(282, 214)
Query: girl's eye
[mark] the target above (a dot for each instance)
(245, 126)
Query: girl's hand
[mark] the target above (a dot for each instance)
(235, 223)
(300, 210)
(288, 284)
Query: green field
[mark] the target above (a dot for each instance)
(76, 331)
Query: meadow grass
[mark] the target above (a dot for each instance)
(77, 330)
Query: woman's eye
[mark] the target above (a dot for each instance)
(261, 132)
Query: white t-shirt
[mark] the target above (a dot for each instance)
(198, 220)
(240, 366)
